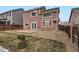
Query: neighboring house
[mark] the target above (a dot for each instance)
(74, 16)
(12, 17)
(41, 19)
(74, 24)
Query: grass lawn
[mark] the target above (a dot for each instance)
(34, 44)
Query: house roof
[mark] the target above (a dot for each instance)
(42, 7)
(45, 10)
(76, 8)
(13, 10)
(51, 10)
(73, 10)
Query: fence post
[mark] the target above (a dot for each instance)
(72, 33)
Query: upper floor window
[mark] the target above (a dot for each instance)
(46, 14)
(33, 13)
(3, 15)
(8, 14)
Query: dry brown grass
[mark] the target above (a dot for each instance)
(10, 41)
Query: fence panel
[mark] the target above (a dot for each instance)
(11, 27)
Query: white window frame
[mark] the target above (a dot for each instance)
(35, 12)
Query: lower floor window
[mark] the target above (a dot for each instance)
(46, 22)
(3, 22)
(8, 22)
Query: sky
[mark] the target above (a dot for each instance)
(64, 10)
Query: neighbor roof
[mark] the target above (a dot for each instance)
(13, 10)
(73, 10)
(76, 8)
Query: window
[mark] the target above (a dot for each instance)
(3, 15)
(3, 22)
(46, 14)
(26, 24)
(8, 14)
(34, 14)
(54, 21)
(47, 23)
(8, 22)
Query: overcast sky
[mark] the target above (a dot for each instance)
(64, 10)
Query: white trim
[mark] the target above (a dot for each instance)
(11, 18)
(36, 25)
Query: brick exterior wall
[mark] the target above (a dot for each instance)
(28, 18)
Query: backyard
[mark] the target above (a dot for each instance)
(39, 41)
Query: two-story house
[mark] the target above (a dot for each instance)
(41, 19)
(74, 25)
(12, 17)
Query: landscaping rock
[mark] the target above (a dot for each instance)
(2, 49)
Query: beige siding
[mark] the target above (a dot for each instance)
(17, 17)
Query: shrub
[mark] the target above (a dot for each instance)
(22, 44)
(21, 37)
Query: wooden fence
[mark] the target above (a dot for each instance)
(76, 31)
(10, 27)
(73, 33)
(65, 29)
